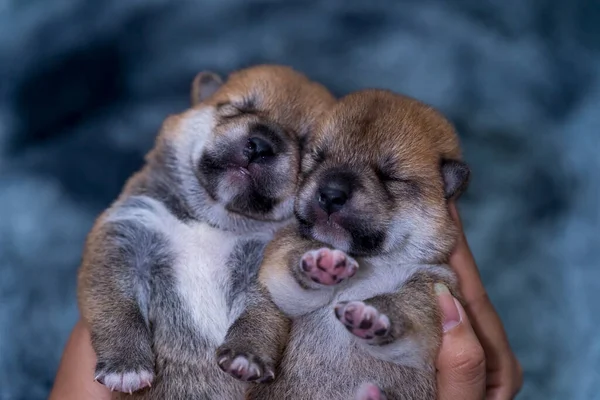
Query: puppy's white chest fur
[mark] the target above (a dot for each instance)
(202, 276)
(200, 262)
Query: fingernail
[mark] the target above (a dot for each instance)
(451, 316)
(441, 289)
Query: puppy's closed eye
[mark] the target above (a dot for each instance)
(386, 176)
(318, 154)
(230, 110)
(388, 173)
(396, 185)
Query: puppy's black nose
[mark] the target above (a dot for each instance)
(258, 149)
(333, 196)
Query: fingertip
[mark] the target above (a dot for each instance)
(459, 337)
(461, 253)
(453, 210)
(451, 316)
(454, 214)
(461, 361)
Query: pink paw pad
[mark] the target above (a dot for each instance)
(362, 320)
(328, 267)
(368, 391)
(126, 382)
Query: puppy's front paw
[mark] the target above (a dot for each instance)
(122, 377)
(363, 321)
(328, 267)
(368, 391)
(243, 366)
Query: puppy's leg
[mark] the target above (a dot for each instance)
(301, 275)
(114, 290)
(255, 342)
(405, 326)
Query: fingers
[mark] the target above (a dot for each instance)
(504, 374)
(463, 264)
(75, 377)
(461, 360)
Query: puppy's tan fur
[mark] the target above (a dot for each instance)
(402, 159)
(166, 268)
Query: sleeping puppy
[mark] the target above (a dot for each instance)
(374, 190)
(166, 267)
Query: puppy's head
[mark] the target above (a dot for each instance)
(377, 177)
(243, 136)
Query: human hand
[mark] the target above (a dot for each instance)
(461, 360)
(74, 377)
(461, 368)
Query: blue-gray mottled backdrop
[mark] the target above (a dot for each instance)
(84, 86)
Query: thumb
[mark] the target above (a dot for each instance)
(461, 359)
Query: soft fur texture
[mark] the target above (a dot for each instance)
(84, 86)
(375, 180)
(166, 267)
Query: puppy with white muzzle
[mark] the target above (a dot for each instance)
(166, 267)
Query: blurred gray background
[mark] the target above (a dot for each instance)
(84, 86)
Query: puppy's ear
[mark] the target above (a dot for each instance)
(456, 175)
(205, 85)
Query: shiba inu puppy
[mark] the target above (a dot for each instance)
(356, 273)
(166, 267)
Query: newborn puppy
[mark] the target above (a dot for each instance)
(375, 186)
(166, 267)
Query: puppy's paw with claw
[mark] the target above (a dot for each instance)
(328, 267)
(124, 381)
(244, 366)
(369, 391)
(363, 321)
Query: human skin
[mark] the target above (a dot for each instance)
(504, 376)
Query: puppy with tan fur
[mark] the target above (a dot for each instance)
(166, 268)
(356, 273)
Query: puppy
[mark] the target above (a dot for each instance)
(374, 186)
(165, 268)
